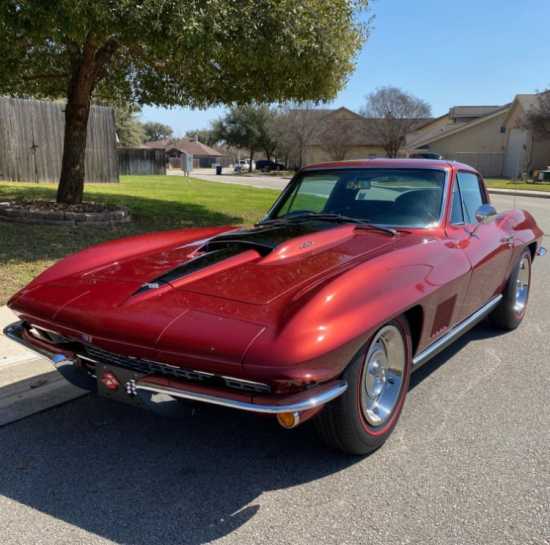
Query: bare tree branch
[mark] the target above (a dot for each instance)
(538, 118)
(336, 135)
(396, 113)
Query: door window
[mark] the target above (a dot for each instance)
(457, 214)
(472, 196)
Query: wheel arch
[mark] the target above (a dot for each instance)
(533, 249)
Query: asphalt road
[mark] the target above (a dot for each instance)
(469, 462)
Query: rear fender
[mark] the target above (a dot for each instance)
(523, 227)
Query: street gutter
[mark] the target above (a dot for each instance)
(519, 193)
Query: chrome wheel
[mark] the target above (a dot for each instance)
(383, 372)
(522, 285)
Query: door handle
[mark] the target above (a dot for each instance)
(508, 240)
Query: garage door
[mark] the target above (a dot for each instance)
(515, 153)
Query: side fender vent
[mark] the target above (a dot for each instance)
(443, 316)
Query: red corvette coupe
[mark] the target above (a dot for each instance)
(358, 275)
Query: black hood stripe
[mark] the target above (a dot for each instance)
(262, 239)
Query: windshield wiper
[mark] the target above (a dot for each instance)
(325, 216)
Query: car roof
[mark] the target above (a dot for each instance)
(391, 163)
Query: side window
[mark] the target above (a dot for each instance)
(457, 214)
(472, 197)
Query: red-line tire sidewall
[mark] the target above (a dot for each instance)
(505, 316)
(342, 423)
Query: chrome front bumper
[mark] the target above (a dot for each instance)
(306, 400)
(295, 403)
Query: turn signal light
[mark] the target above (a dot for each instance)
(110, 381)
(288, 420)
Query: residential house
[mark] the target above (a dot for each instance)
(342, 134)
(176, 149)
(493, 139)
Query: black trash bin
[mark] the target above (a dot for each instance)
(218, 169)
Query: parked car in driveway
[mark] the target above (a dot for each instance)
(424, 154)
(359, 274)
(243, 165)
(266, 165)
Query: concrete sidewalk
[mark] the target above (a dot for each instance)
(28, 382)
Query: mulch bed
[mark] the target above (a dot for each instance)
(53, 213)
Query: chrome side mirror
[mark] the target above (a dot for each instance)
(486, 213)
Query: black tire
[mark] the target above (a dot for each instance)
(342, 424)
(508, 314)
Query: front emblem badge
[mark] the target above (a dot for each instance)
(306, 244)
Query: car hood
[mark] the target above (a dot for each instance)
(212, 297)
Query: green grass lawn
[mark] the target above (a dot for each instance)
(501, 183)
(155, 202)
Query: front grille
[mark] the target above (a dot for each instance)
(139, 365)
(148, 367)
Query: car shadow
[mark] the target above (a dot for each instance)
(482, 331)
(131, 476)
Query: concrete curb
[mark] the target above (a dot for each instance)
(519, 193)
(28, 382)
(28, 389)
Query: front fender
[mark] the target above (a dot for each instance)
(343, 313)
(115, 250)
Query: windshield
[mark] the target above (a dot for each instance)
(396, 197)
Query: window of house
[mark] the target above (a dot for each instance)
(472, 196)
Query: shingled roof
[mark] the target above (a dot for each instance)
(472, 111)
(197, 149)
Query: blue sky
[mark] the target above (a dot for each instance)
(446, 52)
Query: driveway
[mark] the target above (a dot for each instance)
(468, 463)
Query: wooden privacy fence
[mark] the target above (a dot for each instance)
(141, 161)
(31, 141)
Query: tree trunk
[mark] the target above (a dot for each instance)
(77, 112)
(87, 69)
(251, 159)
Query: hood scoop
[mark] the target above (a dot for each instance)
(263, 245)
(205, 263)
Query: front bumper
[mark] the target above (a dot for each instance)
(305, 401)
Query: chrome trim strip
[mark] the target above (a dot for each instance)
(454, 333)
(316, 397)
(15, 333)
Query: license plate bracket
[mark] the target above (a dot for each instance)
(123, 376)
